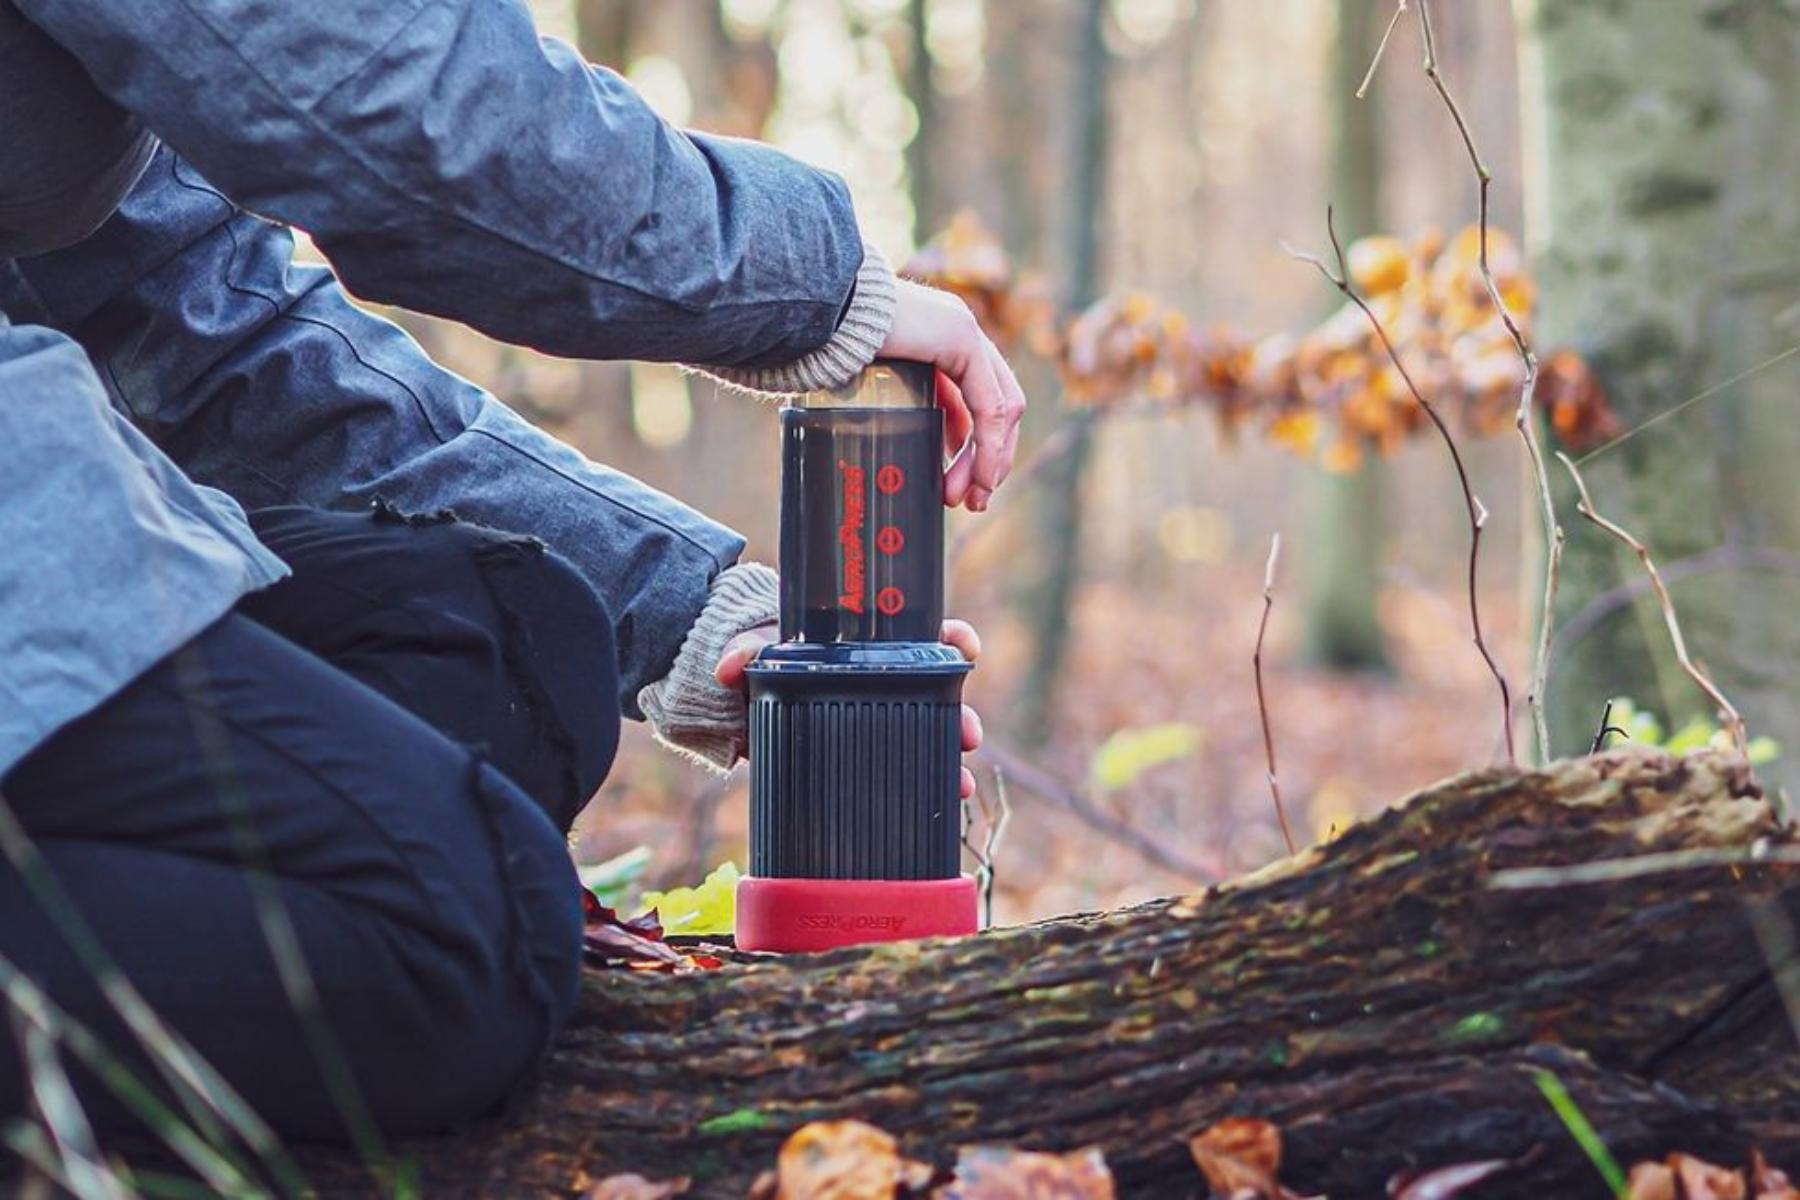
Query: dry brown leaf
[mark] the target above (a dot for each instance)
(1767, 1183)
(636, 1187)
(997, 1173)
(1701, 1180)
(1650, 1181)
(1241, 1159)
(841, 1160)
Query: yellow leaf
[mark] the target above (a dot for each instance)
(1128, 753)
(1378, 264)
(710, 908)
(1298, 431)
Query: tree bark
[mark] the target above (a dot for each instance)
(1381, 998)
(1665, 235)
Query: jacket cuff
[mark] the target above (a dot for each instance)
(859, 337)
(690, 711)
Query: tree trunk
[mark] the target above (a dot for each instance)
(1668, 251)
(1342, 554)
(1382, 998)
(1059, 511)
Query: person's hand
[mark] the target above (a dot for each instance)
(976, 388)
(742, 650)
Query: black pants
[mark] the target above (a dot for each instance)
(389, 747)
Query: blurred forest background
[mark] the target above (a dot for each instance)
(1171, 147)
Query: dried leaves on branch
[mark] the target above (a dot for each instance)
(1331, 393)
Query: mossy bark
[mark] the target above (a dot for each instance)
(1378, 997)
(1667, 239)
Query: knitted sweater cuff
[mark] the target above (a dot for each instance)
(689, 709)
(859, 337)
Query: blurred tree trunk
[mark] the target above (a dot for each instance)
(1049, 603)
(921, 173)
(1669, 254)
(1341, 563)
(603, 31)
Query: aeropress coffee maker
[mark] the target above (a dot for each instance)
(856, 714)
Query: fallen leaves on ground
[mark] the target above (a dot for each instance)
(637, 944)
(1241, 1159)
(842, 1160)
(635, 1187)
(996, 1173)
(1446, 1183)
(1684, 1177)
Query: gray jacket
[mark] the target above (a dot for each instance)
(175, 364)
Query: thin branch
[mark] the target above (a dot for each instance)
(1477, 511)
(1720, 558)
(1609, 870)
(1697, 397)
(1524, 419)
(1262, 702)
(1606, 727)
(998, 818)
(1734, 723)
(995, 817)
(1387, 34)
(1051, 788)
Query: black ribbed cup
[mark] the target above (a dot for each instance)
(854, 766)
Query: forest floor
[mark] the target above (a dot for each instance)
(1347, 744)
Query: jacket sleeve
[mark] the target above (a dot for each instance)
(260, 378)
(447, 159)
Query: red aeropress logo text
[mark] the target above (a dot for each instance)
(890, 601)
(850, 538)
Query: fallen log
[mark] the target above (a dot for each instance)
(1385, 999)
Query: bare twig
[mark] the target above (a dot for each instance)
(1607, 870)
(1697, 397)
(1051, 788)
(1387, 34)
(1728, 714)
(1731, 557)
(1262, 702)
(1524, 419)
(1478, 513)
(996, 815)
(1606, 727)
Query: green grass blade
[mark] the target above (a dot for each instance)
(1582, 1130)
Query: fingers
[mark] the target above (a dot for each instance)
(957, 427)
(961, 635)
(1009, 383)
(977, 389)
(972, 732)
(989, 408)
(967, 787)
(740, 652)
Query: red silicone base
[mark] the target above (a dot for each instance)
(797, 915)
